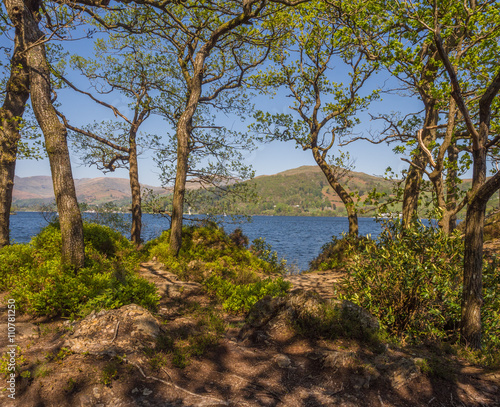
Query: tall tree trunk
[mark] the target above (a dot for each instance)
(347, 200)
(55, 135)
(135, 188)
(17, 94)
(481, 191)
(472, 298)
(179, 187)
(412, 190)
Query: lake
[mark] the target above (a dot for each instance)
(298, 239)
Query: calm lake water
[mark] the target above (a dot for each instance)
(298, 239)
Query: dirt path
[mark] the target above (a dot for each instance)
(323, 282)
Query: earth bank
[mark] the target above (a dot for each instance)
(124, 357)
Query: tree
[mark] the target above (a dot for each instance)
(11, 113)
(120, 65)
(323, 108)
(476, 70)
(211, 44)
(25, 16)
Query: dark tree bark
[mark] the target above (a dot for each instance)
(179, 187)
(135, 188)
(24, 16)
(451, 188)
(347, 200)
(478, 196)
(17, 94)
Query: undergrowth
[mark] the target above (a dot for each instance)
(224, 265)
(40, 284)
(411, 281)
(334, 254)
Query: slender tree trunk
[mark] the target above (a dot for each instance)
(17, 94)
(184, 129)
(412, 191)
(451, 187)
(55, 139)
(347, 200)
(179, 188)
(135, 188)
(414, 178)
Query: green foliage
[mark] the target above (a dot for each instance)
(240, 298)
(208, 250)
(411, 281)
(41, 285)
(263, 251)
(6, 368)
(110, 371)
(333, 254)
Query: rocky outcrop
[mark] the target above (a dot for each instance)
(306, 308)
(118, 331)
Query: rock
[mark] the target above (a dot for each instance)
(113, 332)
(306, 306)
(402, 372)
(283, 361)
(336, 359)
(26, 330)
(358, 314)
(264, 310)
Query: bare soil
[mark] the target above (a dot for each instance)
(275, 368)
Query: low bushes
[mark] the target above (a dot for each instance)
(334, 254)
(223, 263)
(41, 285)
(207, 250)
(240, 298)
(412, 282)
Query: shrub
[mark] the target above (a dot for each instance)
(334, 254)
(42, 285)
(411, 281)
(238, 238)
(207, 250)
(263, 251)
(240, 298)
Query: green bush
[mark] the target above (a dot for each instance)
(208, 250)
(42, 285)
(240, 298)
(411, 281)
(263, 251)
(334, 254)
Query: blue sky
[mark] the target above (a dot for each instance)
(266, 159)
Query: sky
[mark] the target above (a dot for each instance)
(267, 159)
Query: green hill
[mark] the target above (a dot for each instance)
(305, 191)
(299, 191)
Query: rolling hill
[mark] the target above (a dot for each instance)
(30, 192)
(299, 191)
